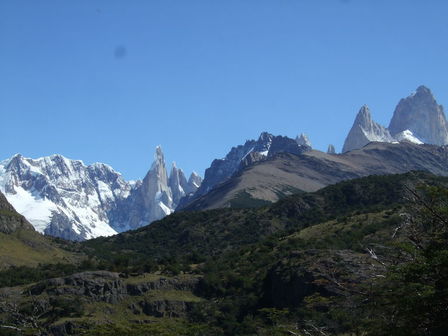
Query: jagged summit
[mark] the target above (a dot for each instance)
(303, 140)
(65, 198)
(420, 114)
(239, 157)
(331, 149)
(365, 130)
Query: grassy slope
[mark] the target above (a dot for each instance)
(314, 233)
(28, 248)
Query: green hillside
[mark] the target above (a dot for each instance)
(21, 245)
(322, 263)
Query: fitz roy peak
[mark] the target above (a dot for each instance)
(422, 116)
(67, 199)
(417, 119)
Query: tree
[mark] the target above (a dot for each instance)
(412, 298)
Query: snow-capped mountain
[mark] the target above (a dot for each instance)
(67, 199)
(63, 197)
(241, 156)
(365, 130)
(420, 114)
(417, 119)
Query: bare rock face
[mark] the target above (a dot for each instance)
(194, 182)
(331, 149)
(365, 130)
(420, 114)
(177, 183)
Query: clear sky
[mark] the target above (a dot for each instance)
(107, 81)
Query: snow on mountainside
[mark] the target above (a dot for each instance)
(67, 199)
(63, 197)
(407, 135)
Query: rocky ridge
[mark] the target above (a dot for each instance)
(266, 146)
(284, 174)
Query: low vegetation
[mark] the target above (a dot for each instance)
(363, 257)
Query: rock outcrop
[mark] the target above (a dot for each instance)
(10, 220)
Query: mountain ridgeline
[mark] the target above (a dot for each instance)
(65, 198)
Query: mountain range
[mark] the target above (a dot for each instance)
(68, 199)
(288, 241)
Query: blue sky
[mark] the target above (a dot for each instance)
(109, 80)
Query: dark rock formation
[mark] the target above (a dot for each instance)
(10, 220)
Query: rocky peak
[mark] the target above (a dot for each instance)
(303, 140)
(365, 130)
(194, 182)
(331, 149)
(155, 189)
(177, 183)
(420, 114)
